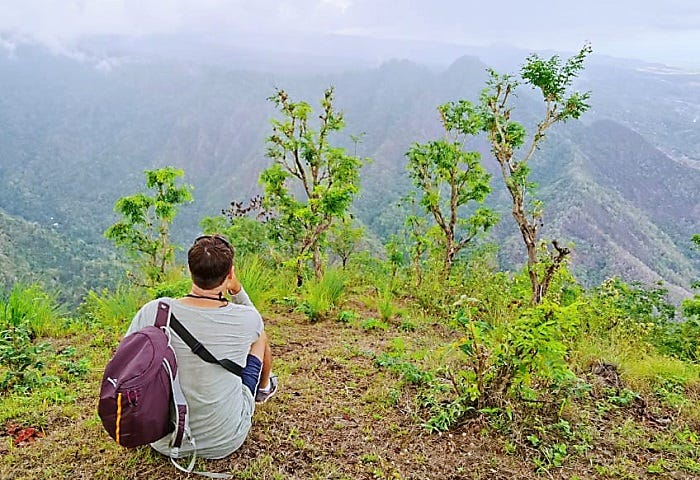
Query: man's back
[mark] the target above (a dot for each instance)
(220, 407)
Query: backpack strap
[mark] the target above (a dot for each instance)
(179, 401)
(163, 314)
(200, 350)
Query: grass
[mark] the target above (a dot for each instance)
(32, 306)
(322, 295)
(258, 276)
(113, 309)
(354, 396)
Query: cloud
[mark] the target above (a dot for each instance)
(8, 46)
(630, 26)
(341, 5)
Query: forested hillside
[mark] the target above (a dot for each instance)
(76, 135)
(68, 266)
(461, 347)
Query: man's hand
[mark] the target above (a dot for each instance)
(234, 285)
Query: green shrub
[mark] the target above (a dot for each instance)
(374, 324)
(22, 360)
(34, 308)
(347, 316)
(322, 295)
(247, 235)
(681, 339)
(260, 280)
(408, 371)
(113, 309)
(174, 287)
(333, 282)
(385, 304)
(639, 316)
(525, 358)
(316, 304)
(407, 326)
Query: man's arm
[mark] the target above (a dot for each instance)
(238, 294)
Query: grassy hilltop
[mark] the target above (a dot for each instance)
(381, 378)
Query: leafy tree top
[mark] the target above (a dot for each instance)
(311, 183)
(144, 227)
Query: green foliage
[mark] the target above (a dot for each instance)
(473, 273)
(113, 309)
(395, 254)
(323, 294)
(385, 304)
(407, 370)
(344, 239)
(527, 352)
(506, 136)
(31, 306)
(175, 286)
(144, 229)
(260, 280)
(637, 302)
(22, 359)
(25, 312)
(691, 306)
(523, 358)
(347, 316)
(73, 367)
(448, 178)
(445, 415)
(374, 324)
(417, 240)
(33, 252)
(640, 315)
(311, 183)
(681, 339)
(554, 80)
(247, 235)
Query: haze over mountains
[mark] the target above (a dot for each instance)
(77, 131)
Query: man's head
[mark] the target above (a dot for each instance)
(210, 260)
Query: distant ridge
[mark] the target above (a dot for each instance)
(620, 184)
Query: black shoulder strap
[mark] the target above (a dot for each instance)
(200, 350)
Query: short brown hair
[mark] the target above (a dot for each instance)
(210, 259)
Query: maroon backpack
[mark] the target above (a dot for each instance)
(139, 386)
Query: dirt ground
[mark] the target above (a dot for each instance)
(336, 416)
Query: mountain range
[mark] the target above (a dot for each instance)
(76, 133)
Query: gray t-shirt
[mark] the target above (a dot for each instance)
(220, 407)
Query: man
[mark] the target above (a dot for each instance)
(221, 404)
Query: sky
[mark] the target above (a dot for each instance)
(662, 31)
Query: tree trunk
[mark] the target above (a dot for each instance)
(529, 234)
(450, 253)
(300, 269)
(318, 266)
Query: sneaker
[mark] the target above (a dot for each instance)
(263, 396)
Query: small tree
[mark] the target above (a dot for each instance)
(311, 183)
(144, 230)
(246, 226)
(448, 178)
(344, 239)
(553, 80)
(415, 232)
